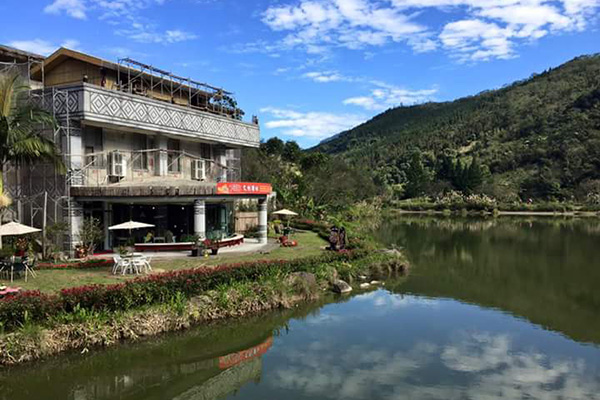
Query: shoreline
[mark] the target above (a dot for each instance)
(497, 213)
(240, 298)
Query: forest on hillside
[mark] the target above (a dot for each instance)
(535, 139)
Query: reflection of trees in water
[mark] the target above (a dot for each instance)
(540, 268)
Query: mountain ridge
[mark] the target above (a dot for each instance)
(537, 137)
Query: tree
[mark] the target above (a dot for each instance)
(90, 234)
(292, 151)
(417, 176)
(314, 160)
(474, 176)
(273, 146)
(21, 124)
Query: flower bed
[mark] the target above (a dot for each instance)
(96, 263)
(33, 306)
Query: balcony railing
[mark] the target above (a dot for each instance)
(150, 166)
(98, 105)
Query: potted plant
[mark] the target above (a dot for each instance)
(21, 246)
(211, 245)
(196, 247)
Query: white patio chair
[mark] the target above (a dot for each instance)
(121, 264)
(142, 264)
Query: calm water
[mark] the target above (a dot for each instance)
(506, 308)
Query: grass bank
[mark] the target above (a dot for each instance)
(51, 280)
(39, 324)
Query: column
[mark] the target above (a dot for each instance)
(200, 218)
(222, 159)
(75, 215)
(162, 164)
(76, 161)
(262, 221)
(107, 221)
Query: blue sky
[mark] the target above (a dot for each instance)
(312, 68)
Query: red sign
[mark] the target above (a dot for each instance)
(243, 188)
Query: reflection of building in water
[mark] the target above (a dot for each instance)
(238, 369)
(235, 358)
(227, 382)
(201, 379)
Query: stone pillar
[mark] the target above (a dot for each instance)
(262, 221)
(162, 163)
(75, 215)
(200, 218)
(75, 163)
(222, 160)
(107, 221)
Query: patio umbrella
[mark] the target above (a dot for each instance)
(129, 226)
(15, 228)
(287, 213)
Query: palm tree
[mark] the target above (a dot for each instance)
(21, 124)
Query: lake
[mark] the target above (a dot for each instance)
(505, 308)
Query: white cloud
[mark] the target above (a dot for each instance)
(477, 40)
(147, 33)
(349, 23)
(326, 76)
(124, 14)
(486, 29)
(43, 47)
(73, 8)
(316, 124)
(385, 95)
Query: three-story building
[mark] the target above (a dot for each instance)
(143, 144)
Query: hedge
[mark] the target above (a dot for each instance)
(88, 264)
(34, 306)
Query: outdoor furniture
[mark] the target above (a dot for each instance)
(16, 266)
(121, 264)
(135, 263)
(5, 269)
(140, 263)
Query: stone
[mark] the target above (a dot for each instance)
(306, 277)
(364, 285)
(362, 277)
(339, 286)
(375, 283)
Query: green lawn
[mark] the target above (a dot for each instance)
(309, 244)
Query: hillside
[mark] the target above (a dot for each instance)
(537, 138)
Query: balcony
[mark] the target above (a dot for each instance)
(99, 106)
(141, 167)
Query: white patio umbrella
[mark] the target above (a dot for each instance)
(287, 213)
(15, 228)
(130, 225)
